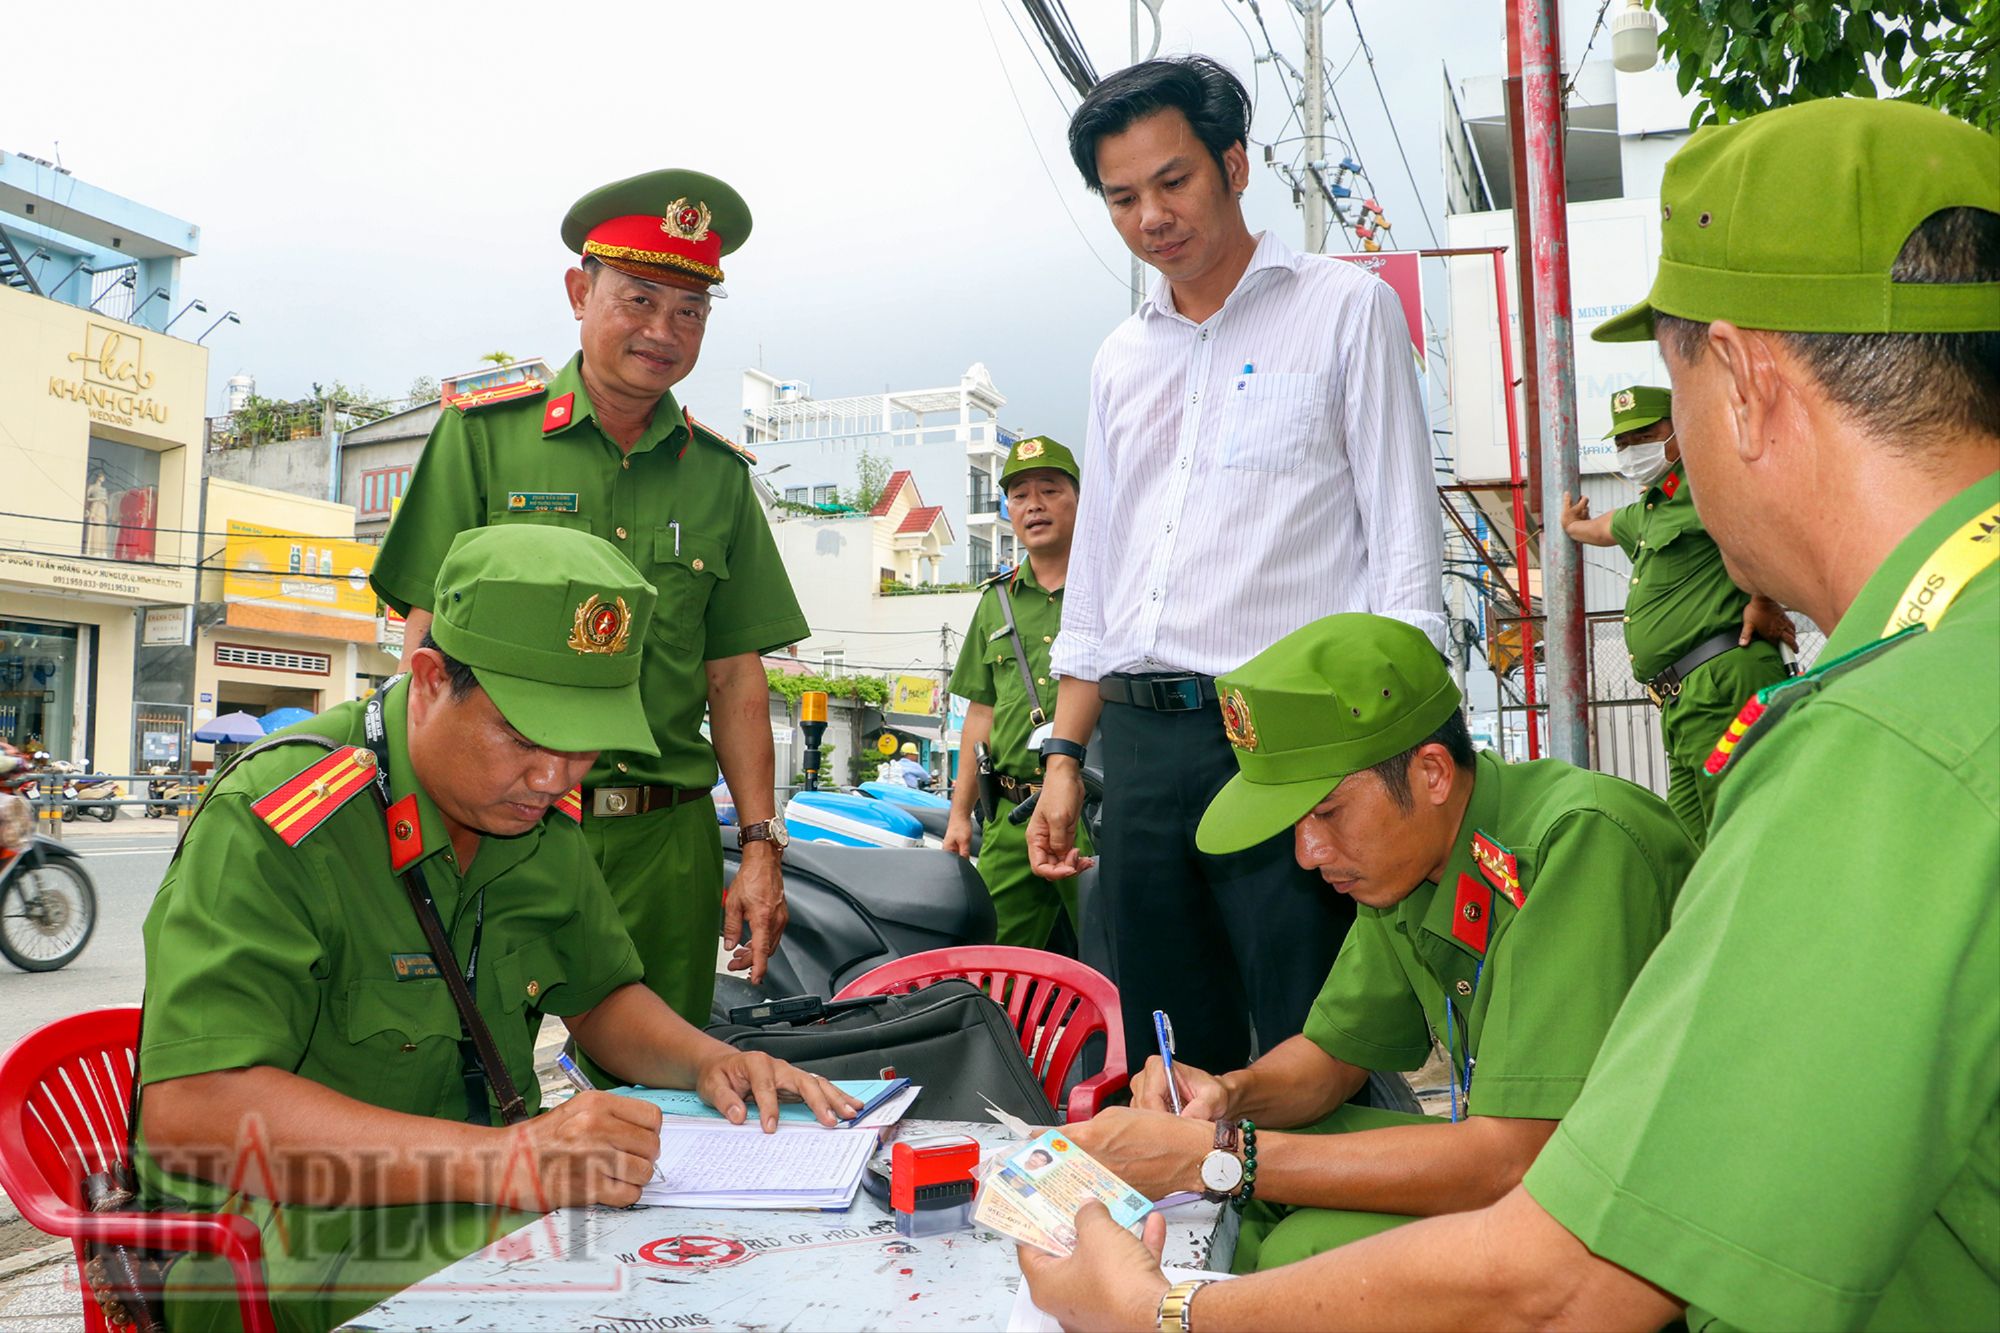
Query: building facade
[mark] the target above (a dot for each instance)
(948, 439)
(100, 446)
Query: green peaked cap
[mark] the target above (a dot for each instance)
(1639, 406)
(552, 622)
(1792, 219)
(1338, 696)
(1038, 451)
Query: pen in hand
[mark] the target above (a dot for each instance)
(1163, 1030)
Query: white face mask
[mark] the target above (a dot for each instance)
(1643, 463)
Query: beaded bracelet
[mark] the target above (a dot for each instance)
(1249, 1187)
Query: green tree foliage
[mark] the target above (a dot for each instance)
(871, 472)
(499, 358)
(1744, 56)
(870, 690)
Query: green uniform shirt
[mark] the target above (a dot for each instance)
(1599, 862)
(1680, 593)
(258, 953)
(1795, 1122)
(680, 506)
(988, 673)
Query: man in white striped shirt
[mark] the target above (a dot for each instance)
(1264, 461)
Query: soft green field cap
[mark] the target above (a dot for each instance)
(1792, 219)
(552, 622)
(1038, 451)
(1638, 407)
(1338, 696)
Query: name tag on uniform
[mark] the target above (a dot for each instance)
(414, 966)
(542, 502)
(997, 635)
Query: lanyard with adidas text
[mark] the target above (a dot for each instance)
(471, 1067)
(1961, 558)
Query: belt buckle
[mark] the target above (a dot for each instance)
(1176, 696)
(1659, 696)
(610, 802)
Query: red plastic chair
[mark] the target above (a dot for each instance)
(65, 1102)
(1056, 1004)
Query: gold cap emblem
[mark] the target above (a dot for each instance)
(1236, 723)
(601, 627)
(1623, 400)
(1029, 449)
(685, 221)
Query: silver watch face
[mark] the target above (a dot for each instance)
(1221, 1171)
(780, 836)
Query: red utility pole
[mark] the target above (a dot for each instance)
(1548, 216)
(1527, 623)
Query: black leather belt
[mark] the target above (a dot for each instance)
(1162, 694)
(617, 802)
(1667, 684)
(1014, 789)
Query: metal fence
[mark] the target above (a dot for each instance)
(1625, 738)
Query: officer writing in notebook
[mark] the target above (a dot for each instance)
(308, 1065)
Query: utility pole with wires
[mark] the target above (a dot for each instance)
(1313, 19)
(1153, 8)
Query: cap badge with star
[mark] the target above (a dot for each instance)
(623, 226)
(1029, 449)
(601, 626)
(1622, 401)
(1236, 723)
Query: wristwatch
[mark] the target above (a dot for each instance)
(1222, 1169)
(1056, 745)
(772, 830)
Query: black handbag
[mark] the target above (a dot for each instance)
(948, 1038)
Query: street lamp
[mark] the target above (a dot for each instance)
(191, 305)
(1635, 39)
(158, 292)
(229, 316)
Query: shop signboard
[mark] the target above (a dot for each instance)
(299, 584)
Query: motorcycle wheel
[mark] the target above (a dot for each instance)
(69, 814)
(107, 813)
(47, 916)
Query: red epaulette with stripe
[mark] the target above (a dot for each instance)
(500, 393)
(1499, 867)
(1470, 913)
(571, 803)
(1726, 746)
(304, 803)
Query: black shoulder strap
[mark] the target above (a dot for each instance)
(1036, 717)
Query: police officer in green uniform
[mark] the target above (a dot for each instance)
(1503, 911)
(303, 1062)
(1699, 644)
(1794, 1121)
(606, 449)
(1013, 696)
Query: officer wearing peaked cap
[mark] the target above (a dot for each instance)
(1828, 306)
(1003, 671)
(607, 449)
(303, 1054)
(1693, 633)
(1503, 910)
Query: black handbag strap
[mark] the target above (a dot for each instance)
(1036, 717)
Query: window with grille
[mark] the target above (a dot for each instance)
(272, 659)
(380, 489)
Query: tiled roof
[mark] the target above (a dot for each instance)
(920, 519)
(897, 480)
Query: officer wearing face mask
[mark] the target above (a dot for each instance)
(1700, 643)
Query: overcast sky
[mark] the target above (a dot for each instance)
(379, 186)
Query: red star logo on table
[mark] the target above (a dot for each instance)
(694, 1251)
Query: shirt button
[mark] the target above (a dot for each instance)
(1195, 397)
(621, 534)
(1649, 504)
(534, 988)
(626, 463)
(1047, 639)
(1204, 335)
(622, 768)
(1465, 988)
(1041, 680)
(1635, 580)
(409, 1046)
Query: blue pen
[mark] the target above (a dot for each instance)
(1163, 1029)
(572, 1073)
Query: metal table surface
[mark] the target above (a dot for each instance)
(644, 1269)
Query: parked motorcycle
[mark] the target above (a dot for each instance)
(90, 794)
(167, 795)
(48, 906)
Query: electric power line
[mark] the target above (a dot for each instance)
(1362, 37)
